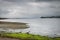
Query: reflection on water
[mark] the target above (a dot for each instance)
(40, 26)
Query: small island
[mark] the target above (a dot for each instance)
(50, 17)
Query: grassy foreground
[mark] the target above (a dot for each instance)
(25, 36)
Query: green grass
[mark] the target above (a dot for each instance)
(25, 36)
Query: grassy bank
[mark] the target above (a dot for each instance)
(26, 36)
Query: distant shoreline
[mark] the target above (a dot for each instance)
(3, 18)
(51, 17)
(45, 17)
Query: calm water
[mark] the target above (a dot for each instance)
(40, 26)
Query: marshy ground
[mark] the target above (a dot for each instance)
(24, 36)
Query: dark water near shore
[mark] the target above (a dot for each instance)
(48, 26)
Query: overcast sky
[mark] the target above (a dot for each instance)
(29, 8)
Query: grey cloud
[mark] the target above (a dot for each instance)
(47, 0)
(13, 8)
(13, 0)
(3, 13)
(28, 0)
(17, 0)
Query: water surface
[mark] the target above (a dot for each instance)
(47, 26)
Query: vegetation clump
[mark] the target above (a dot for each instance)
(25, 36)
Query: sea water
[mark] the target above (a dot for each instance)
(41, 26)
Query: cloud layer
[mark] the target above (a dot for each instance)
(28, 8)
